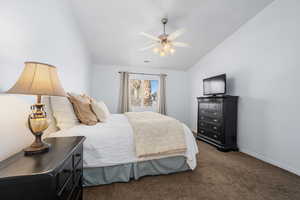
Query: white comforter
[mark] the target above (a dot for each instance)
(111, 143)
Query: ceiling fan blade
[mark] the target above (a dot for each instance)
(176, 34)
(180, 44)
(148, 47)
(149, 36)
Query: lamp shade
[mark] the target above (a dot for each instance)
(38, 79)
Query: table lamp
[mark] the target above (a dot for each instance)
(38, 79)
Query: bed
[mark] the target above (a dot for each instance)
(109, 153)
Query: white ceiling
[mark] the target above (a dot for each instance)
(111, 27)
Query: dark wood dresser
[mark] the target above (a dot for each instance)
(217, 121)
(49, 176)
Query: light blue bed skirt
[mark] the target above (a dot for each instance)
(125, 172)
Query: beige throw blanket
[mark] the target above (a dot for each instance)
(156, 134)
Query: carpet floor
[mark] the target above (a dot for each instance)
(218, 176)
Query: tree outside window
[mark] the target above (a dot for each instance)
(143, 94)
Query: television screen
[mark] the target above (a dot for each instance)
(214, 85)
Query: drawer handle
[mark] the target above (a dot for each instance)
(215, 120)
(215, 127)
(78, 155)
(215, 136)
(62, 189)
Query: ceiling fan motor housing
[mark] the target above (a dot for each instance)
(163, 37)
(164, 20)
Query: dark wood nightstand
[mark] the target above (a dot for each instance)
(49, 176)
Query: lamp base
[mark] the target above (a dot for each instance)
(37, 122)
(36, 149)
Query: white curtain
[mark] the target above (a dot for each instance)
(124, 92)
(162, 95)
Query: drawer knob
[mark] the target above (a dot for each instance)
(215, 120)
(202, 131)
(78, 170)
(215, 127)
(215, 136)
(215, 113)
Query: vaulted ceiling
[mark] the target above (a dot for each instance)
(111, 28)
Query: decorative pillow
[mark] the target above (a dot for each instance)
(101, 110)
(82, 108)
(63, 112)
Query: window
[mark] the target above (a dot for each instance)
(143, 93)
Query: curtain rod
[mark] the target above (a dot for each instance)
(144, 73)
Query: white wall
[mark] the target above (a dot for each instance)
(43, 31)
(106, 84)
(262, 63)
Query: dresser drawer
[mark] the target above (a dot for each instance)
(66, 192)
(78, 172)
(204, 105)
(77, 193)
(215, 128)
(203, 118)
(209, 119)
(203, 124)
(214, 113)
(216, 120)
(215, 107)
(214, 136)
(203, 132)
(65, 175)
(77, 157)
(203, 112)
(73, 184)
(210, 113)
(210, 122)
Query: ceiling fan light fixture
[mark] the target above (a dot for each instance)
(155, 50)
(162, 53)
(165, 43)
(166, 46)
(172, 51)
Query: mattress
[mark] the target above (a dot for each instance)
(111, 143)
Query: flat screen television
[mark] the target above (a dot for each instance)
(215, 85)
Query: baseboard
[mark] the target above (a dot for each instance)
(271, 161)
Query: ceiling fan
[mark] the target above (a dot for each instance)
(164, 44)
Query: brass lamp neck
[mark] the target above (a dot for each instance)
(39, 99)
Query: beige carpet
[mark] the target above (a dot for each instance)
(218, 176)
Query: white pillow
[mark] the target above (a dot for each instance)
(52, 122)
(101, 110)
(63, 112)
